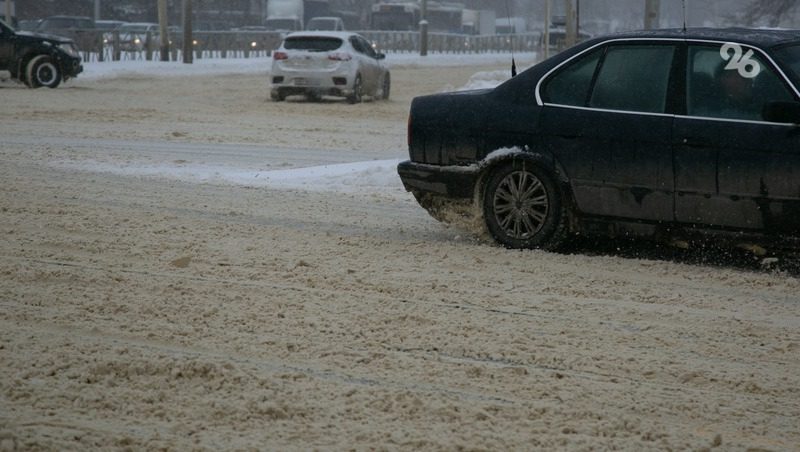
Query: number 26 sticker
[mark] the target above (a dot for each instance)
(747, 67)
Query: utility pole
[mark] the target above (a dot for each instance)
(423, 29)
(652, 8)
(188, 45)
(572, 30)
(96, 10)
(8, 12)
(547, 18)
(162, 28)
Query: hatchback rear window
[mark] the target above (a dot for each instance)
(312, 43)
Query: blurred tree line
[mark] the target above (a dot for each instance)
(770, 12)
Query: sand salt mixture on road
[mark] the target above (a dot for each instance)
(144, 311)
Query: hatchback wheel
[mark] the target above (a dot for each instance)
(277, 96)
(523, 208)
(42, 71)
(358, 91)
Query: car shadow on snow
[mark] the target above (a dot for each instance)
(707, 253)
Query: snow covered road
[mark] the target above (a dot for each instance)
(157, 293)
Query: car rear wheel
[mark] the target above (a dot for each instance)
(277, 96)
(358, 91)
(42, 71)
(523, 207)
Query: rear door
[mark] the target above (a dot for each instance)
(368, 63)
(607, 120)
(733, 169)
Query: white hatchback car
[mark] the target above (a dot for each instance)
(317, 63)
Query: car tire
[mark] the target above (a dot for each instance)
(43, 71)
(358, 91)
(387, 86)
(277, 96)
(524, 208)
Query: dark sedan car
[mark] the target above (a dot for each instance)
(642, 133)
(38, 60)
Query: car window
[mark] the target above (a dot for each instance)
(790, 56)
(367, 47)
(716, 89)
(357, 44)
(312, 43)
(633, 78)
(570, 86)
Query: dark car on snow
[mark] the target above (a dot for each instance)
(644, 133)
(36, 59)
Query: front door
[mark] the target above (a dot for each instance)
(733, 169)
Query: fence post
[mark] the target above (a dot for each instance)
(148, 44)
(101, 46)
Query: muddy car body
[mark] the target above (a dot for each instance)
(625, 134)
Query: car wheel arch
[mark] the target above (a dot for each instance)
(542, 160)
(26, 57)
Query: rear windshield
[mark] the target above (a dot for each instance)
(790, 56)
(312, 43)
(134, 28)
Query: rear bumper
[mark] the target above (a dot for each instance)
(450, 181)
(289, 90)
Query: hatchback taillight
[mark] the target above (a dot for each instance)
(340, 56)
(280, 56)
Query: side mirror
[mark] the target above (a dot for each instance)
(782, 112)
(381, 56)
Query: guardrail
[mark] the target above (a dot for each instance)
(100, 46)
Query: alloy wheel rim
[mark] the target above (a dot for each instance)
(46, 74)
(521, 205)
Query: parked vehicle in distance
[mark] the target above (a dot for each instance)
(317, 63)
(56, 23)
(108, 25)
(649, 133)
(27, 25)
(325, 24)
(38, 60)
(133, 35)
(286, 25)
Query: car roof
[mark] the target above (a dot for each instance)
(69, 17)
(327, 34)
(140, 24)
(758, 37)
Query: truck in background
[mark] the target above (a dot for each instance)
(478, 22)
(284, 15)
(403, 15)
(511, 25)
(293, 15)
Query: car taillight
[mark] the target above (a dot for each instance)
(340, 56)
(280, 56)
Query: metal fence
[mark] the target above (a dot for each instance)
(99, 46)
